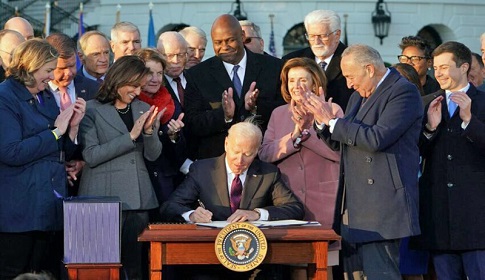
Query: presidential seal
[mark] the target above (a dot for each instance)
(241, 246)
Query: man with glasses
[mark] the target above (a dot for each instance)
(9, 40)
(416, 52)
(173, 48)
(323, 34)
(196, 42)
(254, 42)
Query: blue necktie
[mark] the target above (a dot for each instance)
(323, 64)
(236, 81)
(451, 107)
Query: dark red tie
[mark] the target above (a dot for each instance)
(236, 192)
(180, 90)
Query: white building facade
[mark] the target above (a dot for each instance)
(447, 19)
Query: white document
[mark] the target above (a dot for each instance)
(264, 224)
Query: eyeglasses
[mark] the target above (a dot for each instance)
(249, 39)
(414, 59)
(170, 56)
(322, 37)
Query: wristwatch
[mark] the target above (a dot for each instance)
(57, 133)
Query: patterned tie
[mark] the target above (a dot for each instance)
(236, 192)
(323, 64)
(180, 90)
(451, 107)
(65, 99)
(236, 81)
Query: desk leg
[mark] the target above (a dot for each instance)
(156, 260)
(320, 250)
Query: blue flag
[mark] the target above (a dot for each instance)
(272, 47)
(80, 32)
(151, 32)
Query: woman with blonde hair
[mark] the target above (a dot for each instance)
(35, 141)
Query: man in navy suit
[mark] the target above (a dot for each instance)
(262, 194)
(323, 33)
(74, 86)
(452, 188)
(377, 201)
(94, 52)
(227, 88)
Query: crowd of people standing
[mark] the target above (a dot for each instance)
(389, 157)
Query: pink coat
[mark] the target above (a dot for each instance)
(311, 173)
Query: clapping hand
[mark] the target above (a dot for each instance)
(79, 109)
(251, 97)
(140, 123)
(434, 113)
(174, 126)
(228, 104)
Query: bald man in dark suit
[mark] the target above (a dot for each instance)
(219, 94)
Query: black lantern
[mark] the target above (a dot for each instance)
(381, 19)
(238, 13)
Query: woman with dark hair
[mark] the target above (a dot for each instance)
(408, 72)
(117, 135)
(35, 141)
(164, 172)
(416, 52)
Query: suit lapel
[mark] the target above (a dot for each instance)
(379, 92)
(46, 108)
(80, 88)
(108, 113)
(218, 71)
(137, 109)
(333, 69)
(219, 177)
(251, 185)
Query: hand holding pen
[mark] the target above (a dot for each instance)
(201, 215)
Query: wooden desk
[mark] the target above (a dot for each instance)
(295, 245)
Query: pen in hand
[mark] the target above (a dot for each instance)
(202, 214)
(201, 204)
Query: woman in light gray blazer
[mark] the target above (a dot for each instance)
(117, 134)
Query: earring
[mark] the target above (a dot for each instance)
(429, 68)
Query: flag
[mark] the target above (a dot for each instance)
(346, 40)
(118, 13)
(151, 30)
(47, 20)
(272, 46)
(80, 32)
